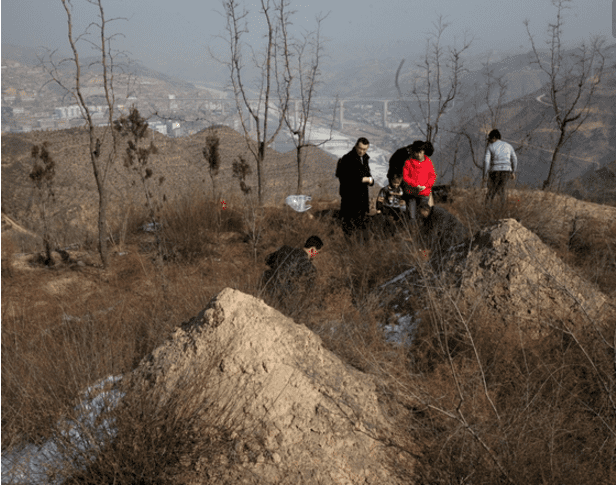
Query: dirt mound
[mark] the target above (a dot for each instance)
(520, 277)
(301, 414)
(513, 272)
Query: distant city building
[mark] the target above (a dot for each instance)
(173, 105)
(74, 111)
(159, 127)
(174, 129)
(67, 113)
(46, 124)
(398, 125)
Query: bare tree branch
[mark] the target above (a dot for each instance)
(273, 63)
(308, 73)
(573, 80)
(100, 164)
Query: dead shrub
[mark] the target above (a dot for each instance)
(167, 439)
(190, 228)
(505, 407)
(592, 244)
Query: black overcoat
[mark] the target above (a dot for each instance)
(353, 193)
(397, 161)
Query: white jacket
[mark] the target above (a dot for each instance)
(500, 156)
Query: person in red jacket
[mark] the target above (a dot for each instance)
(418, 175)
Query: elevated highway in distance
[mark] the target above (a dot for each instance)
(228, 106)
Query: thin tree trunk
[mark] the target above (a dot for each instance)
(547, 184)
(102, 217)
(299, 168)
(260, 160)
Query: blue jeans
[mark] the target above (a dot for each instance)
(413, 203)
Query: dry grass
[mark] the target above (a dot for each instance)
(161, 440)
(492, 405)
(476, 404)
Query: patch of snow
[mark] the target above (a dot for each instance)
(33, 464)
(151, 227)
(403, 331)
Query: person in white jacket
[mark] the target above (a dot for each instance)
(500, 164)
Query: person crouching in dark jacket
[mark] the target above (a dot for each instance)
(440, 230)
(291, 268)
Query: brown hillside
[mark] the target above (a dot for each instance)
(179, 170)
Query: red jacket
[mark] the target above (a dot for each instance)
(419, 173)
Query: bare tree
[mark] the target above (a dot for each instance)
(488, 101)
(137, 159)
(100, 161)
(308, 72)
(573, 79)
(211, 153)
(439, 82)
(273, 64)
(138, 152)
(42, 175)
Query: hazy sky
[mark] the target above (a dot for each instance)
(171, 36)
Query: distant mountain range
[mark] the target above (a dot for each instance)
(33, 57)
(525, 117)
(23, 55)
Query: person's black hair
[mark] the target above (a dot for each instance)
(313, 241)
(424, 203)
(428, 148)
(362, 140)
(417, 146)
(494, 134)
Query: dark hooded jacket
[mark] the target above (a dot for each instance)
(441, 230)
(289, 267)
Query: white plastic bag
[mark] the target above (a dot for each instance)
(298, 202)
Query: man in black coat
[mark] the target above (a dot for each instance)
(353, 171)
